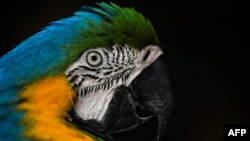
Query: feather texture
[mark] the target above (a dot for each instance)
(48, 102)
(43, 54)
(49, 52)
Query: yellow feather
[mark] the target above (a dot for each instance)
(46, 105)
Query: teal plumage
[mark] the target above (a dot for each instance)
(37, 57)
(50, 51)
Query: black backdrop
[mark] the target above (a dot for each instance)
(205, 44)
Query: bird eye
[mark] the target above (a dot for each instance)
(94, 58)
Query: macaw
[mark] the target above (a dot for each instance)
(85, 77)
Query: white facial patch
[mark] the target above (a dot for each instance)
(95, 84)
(94, 106)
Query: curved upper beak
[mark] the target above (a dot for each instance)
(154, 88)
(149, 95)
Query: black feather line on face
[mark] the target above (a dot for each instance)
(89, 69)
(118, 55)
(107, 73)
(71, 72)
(81, 81)
(90, 76)
(73, 79)
(106, 85)
(106, 55)
(81, 93)
(106, 76)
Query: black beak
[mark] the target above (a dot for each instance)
(149, 95)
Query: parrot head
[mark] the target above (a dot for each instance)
(86, 77)
(98, 73)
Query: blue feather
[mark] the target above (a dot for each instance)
(34, 59)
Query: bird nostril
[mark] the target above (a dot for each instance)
(150, 54)
(146, 55)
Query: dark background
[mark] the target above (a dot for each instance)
(205, 44)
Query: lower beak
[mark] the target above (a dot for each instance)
(149, 95)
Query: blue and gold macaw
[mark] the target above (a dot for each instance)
(84, 78)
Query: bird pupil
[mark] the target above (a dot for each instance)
(93, 58)
(146, 55)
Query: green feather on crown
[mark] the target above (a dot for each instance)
(120, 26)
(117, 26)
